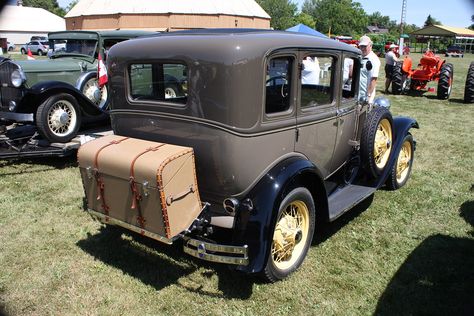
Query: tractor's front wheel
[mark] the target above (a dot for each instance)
(398, 78)
(445, 81)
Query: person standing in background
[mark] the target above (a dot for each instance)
(369, 71)
(390, 60)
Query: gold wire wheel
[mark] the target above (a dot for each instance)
(404, 161)
(290, 235)
(382, 143)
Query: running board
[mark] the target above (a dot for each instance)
(346, 198)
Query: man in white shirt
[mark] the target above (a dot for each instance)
(311, 70)
(390, 60)
(369, 71)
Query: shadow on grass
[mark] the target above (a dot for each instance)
(163, 267)
(48, 163)
(437, 278)
(324, 231)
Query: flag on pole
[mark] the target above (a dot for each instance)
(102, 72)
(30, 55)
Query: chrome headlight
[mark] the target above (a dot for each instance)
(17, 78)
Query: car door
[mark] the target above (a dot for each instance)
(347, 109)
(316, 108)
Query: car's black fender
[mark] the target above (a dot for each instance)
(41, 91)
(401, 126)
(256, 215)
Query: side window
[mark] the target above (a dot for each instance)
(349, 78)
(278, 84)
(158, 82)
(316, 80)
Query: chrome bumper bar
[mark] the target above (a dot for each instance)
(227, 254)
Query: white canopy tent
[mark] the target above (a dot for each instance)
(18, 23)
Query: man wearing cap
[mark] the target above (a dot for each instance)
(369, 71)
(390, 60)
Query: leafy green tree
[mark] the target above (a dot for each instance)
(382, 21)
(431, 21)
(49, 5)
(71, 5)
(282, 13)
(305, 19)
(472, 25)
(341, 17)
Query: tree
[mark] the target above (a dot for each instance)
(472, 25)
(341, 17)
(431, 21)
(305, 19)
(71, 5)
(49, 5)
(282, 13)
(382, 21)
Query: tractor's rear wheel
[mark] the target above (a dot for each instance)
(469, 87)
(398, 78)
(445, 81)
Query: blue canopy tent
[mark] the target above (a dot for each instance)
(301, 28)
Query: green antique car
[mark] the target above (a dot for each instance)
(57, 93)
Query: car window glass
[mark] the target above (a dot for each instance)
(277, 84)
(349, 81)
(316, 80)
(73, 46)
(159, 82)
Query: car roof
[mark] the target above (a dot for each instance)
(257, 42)
(106, 33)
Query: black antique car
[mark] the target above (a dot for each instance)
(56, 94)
(277, 148)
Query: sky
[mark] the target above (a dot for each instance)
(449, 12)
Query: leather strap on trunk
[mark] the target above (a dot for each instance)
(98, 177)
(136, 196)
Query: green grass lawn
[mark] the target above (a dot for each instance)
(408, 252)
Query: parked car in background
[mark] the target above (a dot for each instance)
(454, 51)
(36, 47)
(10, 46)
(56, 93)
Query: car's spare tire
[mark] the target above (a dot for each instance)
(445, 81)
(469, 87)
(58, 118)
(398, 78)
(376, 141)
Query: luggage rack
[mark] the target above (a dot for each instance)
(24, 141)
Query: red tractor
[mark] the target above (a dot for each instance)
(430, 68)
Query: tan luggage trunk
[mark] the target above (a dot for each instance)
(145, 186)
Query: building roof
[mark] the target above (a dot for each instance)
(227, 7)
(26, 19)
(442, 30)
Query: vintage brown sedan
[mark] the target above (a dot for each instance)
(280, 138)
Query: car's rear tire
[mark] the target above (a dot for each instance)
(58, 118)
(376, 141)
(469, 87)
(10, 49)
(445, 81)
(401, 170)
(23, 51)
(292, 235)
(40, 52)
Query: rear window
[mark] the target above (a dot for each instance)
(159, 82)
